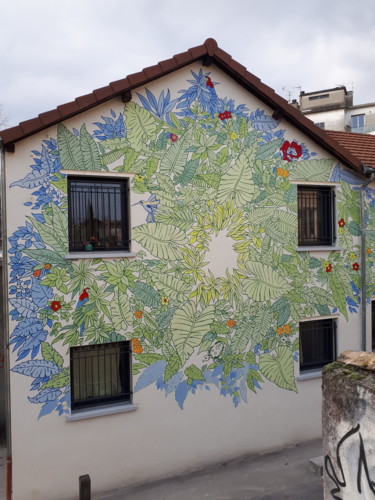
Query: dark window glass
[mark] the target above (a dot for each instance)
(317, 343)
(320, 125)
(98, 214)
(315, 215)
(100, 374)
(316, 97)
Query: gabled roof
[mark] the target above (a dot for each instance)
(360, 145)
(208, 53)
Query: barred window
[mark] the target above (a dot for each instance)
(98, 214)
(315, 215)
(317, 341)
(100, 374)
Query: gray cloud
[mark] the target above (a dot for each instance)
(53, 52)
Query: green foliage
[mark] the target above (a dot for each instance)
(141, 125)
(279, 368)
(188, 328)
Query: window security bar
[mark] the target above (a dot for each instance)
(317, 343)
(315, 216)
(100, 374)
(98, 214)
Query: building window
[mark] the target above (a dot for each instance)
(315, 215)
(100, 374)
(316, 97)
(98, 213)
(317, 343)
(358, 121)
(320, 125)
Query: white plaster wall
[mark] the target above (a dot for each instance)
(158, 439)
(334, 120)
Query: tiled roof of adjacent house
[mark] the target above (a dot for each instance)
(208, 53)
(360, 145)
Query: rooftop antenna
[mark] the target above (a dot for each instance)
(289, 91)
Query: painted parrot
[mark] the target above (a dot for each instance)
(83, 298)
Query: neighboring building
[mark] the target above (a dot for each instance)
(185, 253)
(333, 109)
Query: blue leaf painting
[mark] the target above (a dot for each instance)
(181, 392)
(261, 121)
(24, 307)
(47, 408)
(46, 395)
(33, 179)
(341, 174)
(150, 375)
(40, 294)
(37, 368)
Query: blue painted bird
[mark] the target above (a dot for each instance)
(83, 298)
(150, 206)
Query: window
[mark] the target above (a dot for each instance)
(317, 343)
(358, 121)
(98, 213)
(100, 374)
(315, 215)
(316, 97)
(320, 125)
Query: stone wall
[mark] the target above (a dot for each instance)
(348, 427)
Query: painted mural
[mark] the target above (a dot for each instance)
(208, 172)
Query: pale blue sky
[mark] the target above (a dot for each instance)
(54, 51)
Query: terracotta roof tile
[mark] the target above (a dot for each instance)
(29, 126)
(153, 71)
(50, 116)
(360, 145)
(224, 61)
(87, 100)
(168, 65)
(137, 79)
(68, 109)
(183, 58)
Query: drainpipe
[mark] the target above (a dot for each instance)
(5, 325)
(371, 176)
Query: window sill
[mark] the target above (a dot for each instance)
(99, 255)
(310, 375)
(318, 249)
(101, 411)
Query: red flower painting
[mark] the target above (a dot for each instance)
(291, 150)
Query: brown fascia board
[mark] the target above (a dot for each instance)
(224, 61)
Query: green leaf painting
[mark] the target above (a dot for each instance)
(312, 170)
(279, 368)
(214, 288)
(121, 314)
(237, 183)
(90, 153)
(189, 327)
(69, 149)
(141, 125)
(265, 284)
(161, 240)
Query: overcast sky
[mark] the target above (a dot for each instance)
(53, 51)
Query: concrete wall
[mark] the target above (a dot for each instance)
(348, 427)
(216, 253)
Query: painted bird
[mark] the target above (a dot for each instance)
(150, 206)
(83, 298)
